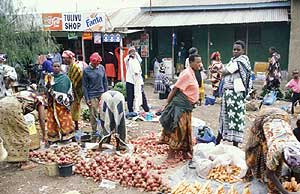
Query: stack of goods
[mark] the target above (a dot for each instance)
(292, 186)
(196, 188)
(49, 156)
(225, 174)
(126, 171)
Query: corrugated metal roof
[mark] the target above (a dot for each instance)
(162, 19)
(122, 17)
(164, 3)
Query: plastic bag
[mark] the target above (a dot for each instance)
(200, 150)
(270, 98)
(205, 135)
(203, 166)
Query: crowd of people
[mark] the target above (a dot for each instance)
(271, 141)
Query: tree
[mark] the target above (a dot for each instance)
(20, 36)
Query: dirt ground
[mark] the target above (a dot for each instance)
(14, 181)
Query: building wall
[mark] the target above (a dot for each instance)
(223, 36)
(294, 59)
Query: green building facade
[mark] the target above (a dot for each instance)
(258, 37)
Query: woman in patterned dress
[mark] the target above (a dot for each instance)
(270, 144)
(59, 118)
(215, 70)
(13, 128)
(236, 87)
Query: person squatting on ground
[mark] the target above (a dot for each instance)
(270, 144)
(294, 84)
(75, 74)
(94, 85)
(134, 82)
(236, 87)
(176, 118)
(13, 128)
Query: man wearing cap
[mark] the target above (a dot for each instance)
(7, 76)
(75, 75)
(94, 85)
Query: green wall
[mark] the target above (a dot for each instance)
(222, 38)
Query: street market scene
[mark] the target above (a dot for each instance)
(149, 96)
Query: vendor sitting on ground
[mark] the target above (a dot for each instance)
(271, 143)
(112, 118)
(13, 129)
(176, 118)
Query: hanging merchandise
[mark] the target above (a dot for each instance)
(72, 36)
(97, 38)
(87, 36)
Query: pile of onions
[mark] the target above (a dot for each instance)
(48, 156)
(131, 173)
(147, 146)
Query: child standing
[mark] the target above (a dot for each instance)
(294, 84)
(162, 83)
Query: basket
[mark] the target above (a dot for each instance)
(65, 170)
(51, 169)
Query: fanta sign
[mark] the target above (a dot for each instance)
(91, 22)
(94, 22)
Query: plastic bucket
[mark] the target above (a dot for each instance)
(65, 170)
(51, 169)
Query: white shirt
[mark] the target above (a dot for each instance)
(133, 69)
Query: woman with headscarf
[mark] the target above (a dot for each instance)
(271, 143)
(59, 118)
(176, 118)
(135, 82)
(75, 74)
(215, 70)
(162, 83)
(236, 87)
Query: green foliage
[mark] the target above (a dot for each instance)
(120, 87)
(20, 38)
(86, 114)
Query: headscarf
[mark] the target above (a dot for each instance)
(68, 54)
(131, 49)
(95, 58)
(291, 154)
(215, 54)
(3, 57)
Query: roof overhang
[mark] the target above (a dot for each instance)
(215, 7)
(170, 19)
